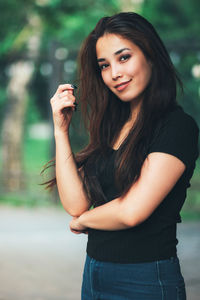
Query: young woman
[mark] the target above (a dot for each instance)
(136, 168)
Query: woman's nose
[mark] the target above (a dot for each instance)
(116, 73)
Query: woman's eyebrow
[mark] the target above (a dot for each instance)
(116, 53)
(121, 50)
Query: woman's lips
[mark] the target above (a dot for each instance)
(123, 85)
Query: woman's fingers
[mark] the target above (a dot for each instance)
(79, 231)
(63, 105)
(66, 93)
(63, 87)
(64, 100)
(60, 96)
(76, 231)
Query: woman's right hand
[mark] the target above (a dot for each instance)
(62, 104)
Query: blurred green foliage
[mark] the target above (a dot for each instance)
(67, 23)
(64, 24)
(34, 194)
(178, 24)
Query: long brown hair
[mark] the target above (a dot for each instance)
(105, 114)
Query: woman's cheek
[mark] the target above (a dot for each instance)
(105, 78)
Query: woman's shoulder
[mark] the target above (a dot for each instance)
(177, 134)
(178, 117)
(178, 114)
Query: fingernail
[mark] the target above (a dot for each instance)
(73, 86)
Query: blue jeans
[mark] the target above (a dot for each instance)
(158, 280)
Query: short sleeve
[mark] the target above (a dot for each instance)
(177, 135)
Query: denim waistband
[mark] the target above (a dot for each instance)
(157, 280)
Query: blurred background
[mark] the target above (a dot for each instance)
(40, 41)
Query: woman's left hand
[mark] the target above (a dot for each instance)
(76, 227)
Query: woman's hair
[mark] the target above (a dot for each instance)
(105, 114)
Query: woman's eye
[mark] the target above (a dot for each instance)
(125, 57)
(102, 67)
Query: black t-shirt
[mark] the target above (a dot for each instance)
(155, 238)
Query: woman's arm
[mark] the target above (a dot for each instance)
(69, 182)
(159, 174)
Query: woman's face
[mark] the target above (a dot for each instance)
(124, 68)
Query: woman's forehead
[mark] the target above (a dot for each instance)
(112, 43)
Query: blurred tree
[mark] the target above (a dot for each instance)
(131, 5)
(56, 28)
(19, 75)
(178, 24)
(12, 131)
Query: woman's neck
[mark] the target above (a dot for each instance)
(134, 111)
(124, 132)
